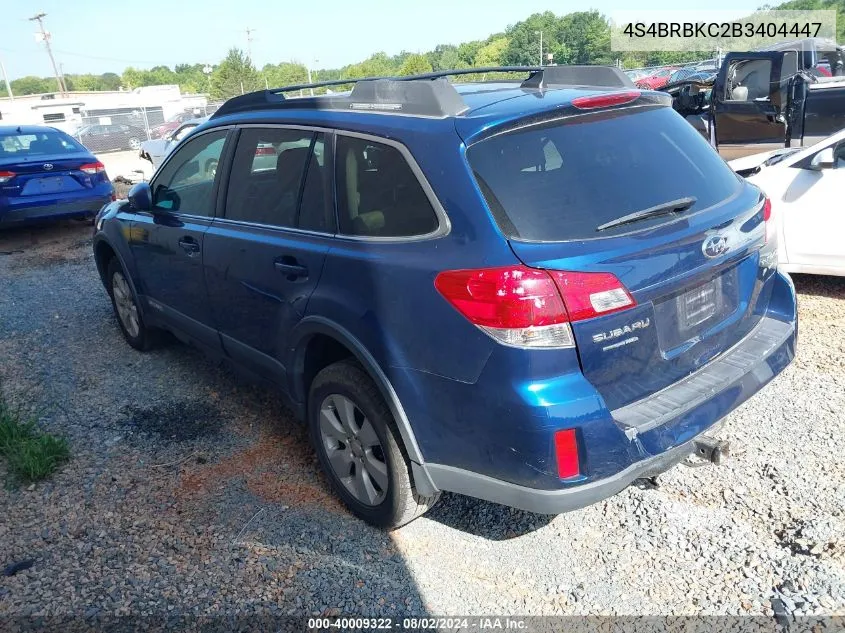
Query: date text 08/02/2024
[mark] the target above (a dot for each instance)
(417, 624)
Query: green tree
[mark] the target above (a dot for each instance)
(468, 50)
(491, 54)
(377, 65)
(524, 40)
(415, 65)
(586, 35)
(33, 85)
(285, 74)
(235, 75)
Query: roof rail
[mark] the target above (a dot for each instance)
(427, 94)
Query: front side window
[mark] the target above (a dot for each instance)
(186, 182)
(378, 193)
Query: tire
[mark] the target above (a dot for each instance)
(123, 300)
(330, 394)
(134, 143)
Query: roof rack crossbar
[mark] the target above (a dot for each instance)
(426, 91)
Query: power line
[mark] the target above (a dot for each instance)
(39, 17)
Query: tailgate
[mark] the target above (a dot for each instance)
(694, 270)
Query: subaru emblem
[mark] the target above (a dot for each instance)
(715, 245)
(47, 166)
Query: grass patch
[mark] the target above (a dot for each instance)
(30, 454)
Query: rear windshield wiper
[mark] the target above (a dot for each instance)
(675, 206)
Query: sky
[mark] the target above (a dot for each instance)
(99, 36)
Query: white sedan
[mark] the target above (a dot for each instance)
(807, 190)
(156, 150)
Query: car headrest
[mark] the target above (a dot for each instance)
(291, 158)
(739, 93)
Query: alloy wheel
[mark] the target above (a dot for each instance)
(127, 311)
(353, 449)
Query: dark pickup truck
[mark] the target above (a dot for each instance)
(767, 99)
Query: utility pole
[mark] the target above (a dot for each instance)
(6, 81)
(540, 33)
(249, 33)
(45, 36)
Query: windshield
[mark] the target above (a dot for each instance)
(39, 143)
(564, 180)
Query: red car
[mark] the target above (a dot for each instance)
(160, 131)
(657, 79)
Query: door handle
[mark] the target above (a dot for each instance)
(189, 245)
(290, 268)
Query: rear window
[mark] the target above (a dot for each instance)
(39, 143)
(561, 181)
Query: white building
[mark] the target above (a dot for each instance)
(149, 105)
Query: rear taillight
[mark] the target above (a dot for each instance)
(587, 295)
(93, 168)
(265, 151)
(6, 176)
(592, 102)
(566, 453)
(766, 212)
(527, 307)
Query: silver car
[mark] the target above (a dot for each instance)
(158, 149)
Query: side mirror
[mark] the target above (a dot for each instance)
(823, 160)
(141, 197)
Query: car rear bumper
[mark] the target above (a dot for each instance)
(552, 501)
(35, 210)
(649, 436)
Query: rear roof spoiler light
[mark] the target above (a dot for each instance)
(531, 308)
(606, 100)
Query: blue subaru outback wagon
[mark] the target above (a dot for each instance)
(532, 292)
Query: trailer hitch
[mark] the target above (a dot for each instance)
(708, 450)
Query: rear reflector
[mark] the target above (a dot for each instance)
(607, 100)
(566, 453)
(527, 307)
(6, 176)
(93, 168)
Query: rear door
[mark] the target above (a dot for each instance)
(557, 190)
(264, 258)
(749, 98)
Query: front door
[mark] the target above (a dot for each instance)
(748, 104)
(265, 256)
(167, 244)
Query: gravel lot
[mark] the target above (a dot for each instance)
(193, 492)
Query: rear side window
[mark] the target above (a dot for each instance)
(562, 181)
(38, 143)
(267, 175)
(378, 193)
